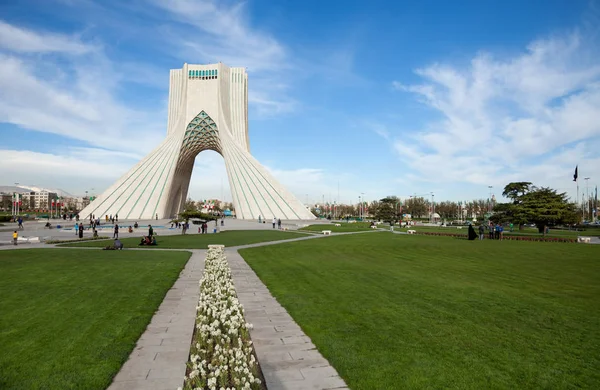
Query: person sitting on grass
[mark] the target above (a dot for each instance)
(147, 240)
(118, 244)
(95, 233)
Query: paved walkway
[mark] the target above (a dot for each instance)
(160, 356)
(287, 357)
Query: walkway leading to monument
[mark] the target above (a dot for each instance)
(287, 357)
(159, 358)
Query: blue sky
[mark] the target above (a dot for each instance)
(378, 98)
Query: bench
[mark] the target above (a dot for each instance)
(585, 240)
(337, 224)
(373, 227)
(411, 231)
(327, 232)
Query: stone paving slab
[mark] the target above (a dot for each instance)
(288, 358)
(159, 359)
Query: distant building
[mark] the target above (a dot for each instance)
(42, 199)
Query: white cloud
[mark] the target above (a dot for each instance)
(226, 34)
(74, 96)
(522, 118)
(20, 40)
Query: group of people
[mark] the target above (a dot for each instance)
(111, 218)
(275, 221)
(494, 232)
(79, 230)
(148, 240)
(203, 229)
(70, 216)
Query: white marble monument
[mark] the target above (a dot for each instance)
(208, 110)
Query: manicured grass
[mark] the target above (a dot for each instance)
(516, 232)
(344, 227)
(414, 312)
(70, 318)
(199, 241)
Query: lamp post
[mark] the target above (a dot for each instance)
(490, 200)
(16, 202)
(432, 208)
(362, 209)
(587, 197)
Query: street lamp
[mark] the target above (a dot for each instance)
(362, 209)
(587, 197)
(432, 208)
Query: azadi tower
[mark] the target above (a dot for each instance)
(208, 110)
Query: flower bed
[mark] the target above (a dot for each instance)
(221, 355)
(505, 237)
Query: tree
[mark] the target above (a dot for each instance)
(387, 209)
(515, 190)
(417, 207)
(190, 205)
(540, 206)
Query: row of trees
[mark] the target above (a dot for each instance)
(528, 205)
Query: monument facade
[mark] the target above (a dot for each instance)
(208, 110)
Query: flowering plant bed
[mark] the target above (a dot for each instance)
(221, 354)
(505, 237)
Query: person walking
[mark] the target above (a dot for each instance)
(76, 229)
(116, 233)
(81, 231)
(279, 224)
(500, 232)
(150, 231)
(481, 232)
(497, 231)
(491, 231)
(20, 221)
(116, 217)
(274, 222)
(15, 237)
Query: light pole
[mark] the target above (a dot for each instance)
(587, 196)
(432, 208)
(490, 200)
(16, 202)
(362, 209)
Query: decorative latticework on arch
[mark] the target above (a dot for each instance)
(200, 134)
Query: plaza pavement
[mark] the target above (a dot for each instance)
(162, 227)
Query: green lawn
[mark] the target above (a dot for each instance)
(345, 227)
(528, 231)
(392, 311)
(199, 241)
(70, 318)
